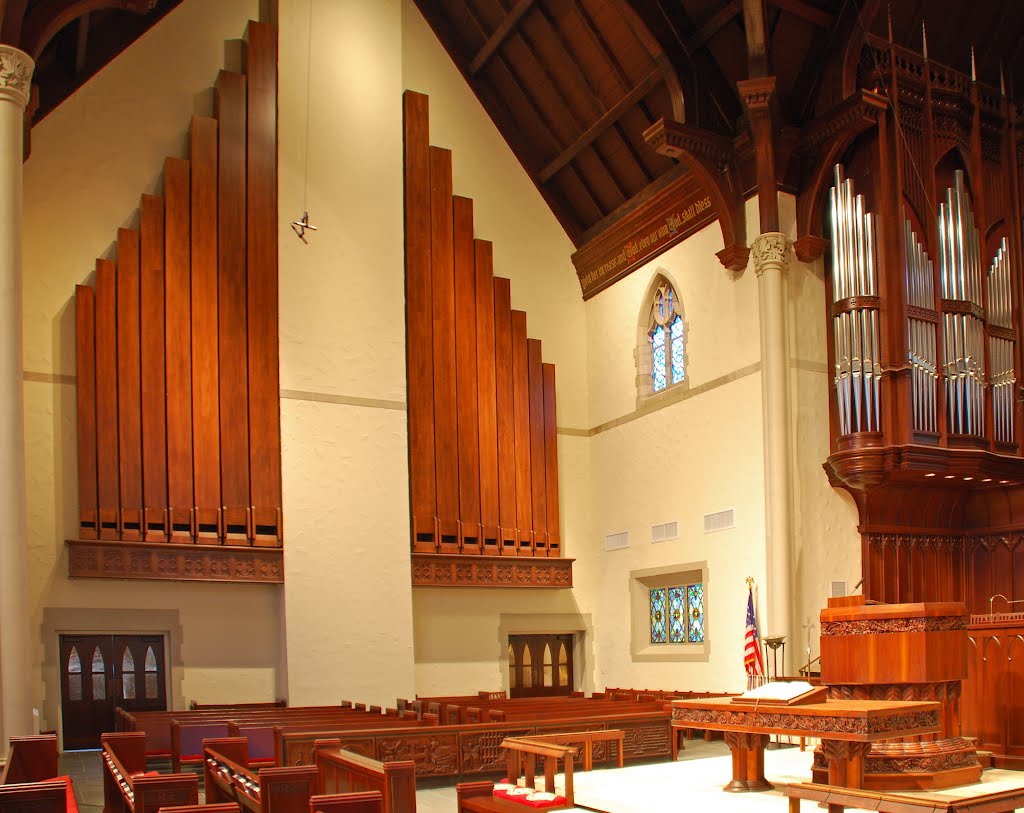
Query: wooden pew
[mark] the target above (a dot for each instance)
(127, 788)
(28, 782)
(837, 799)
(342, 771)
(227, 778)
(370, 801)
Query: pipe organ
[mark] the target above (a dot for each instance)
(922, 326)
(483, 457)
(179, 451)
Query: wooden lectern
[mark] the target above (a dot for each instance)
(873, 651)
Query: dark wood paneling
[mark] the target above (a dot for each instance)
(154, 393)
(538, 459)
(419, 322)
(551, 462)
(231, 306)
(178, 347)
(85, 373)
(486, 397)
(129, 398)
(205, 367)
(466, 371)
(261, 196)
(506, 418)
(107, 464)
(521, 420)
(446, 448)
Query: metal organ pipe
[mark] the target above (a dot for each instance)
(921, 333)
(1001, 346)
(855, 328)
(964, 331)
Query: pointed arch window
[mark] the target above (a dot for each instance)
(661, 352)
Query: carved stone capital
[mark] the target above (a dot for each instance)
(770, 250)
(15, 75)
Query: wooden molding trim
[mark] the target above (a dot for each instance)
(454, 570)
(94, 559)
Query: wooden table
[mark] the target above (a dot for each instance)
(846, 729)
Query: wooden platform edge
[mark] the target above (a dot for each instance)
(97, 559)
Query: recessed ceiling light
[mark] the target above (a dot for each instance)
(930, 474)
(1004, 482)
(986, 480)
(950, 476)
(968, 478)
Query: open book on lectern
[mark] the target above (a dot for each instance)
(784, 693)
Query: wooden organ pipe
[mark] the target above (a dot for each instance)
(482, 435)
(177, 343)
(855, 321)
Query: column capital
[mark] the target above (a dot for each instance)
(770, 250)
(15, 75)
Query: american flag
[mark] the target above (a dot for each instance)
(752, 660)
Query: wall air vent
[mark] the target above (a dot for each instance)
(664, 532)
(720, 521)
(617, 541)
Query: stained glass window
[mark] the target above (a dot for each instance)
(152, 690)
(658, 351)
(99, 683)
(74, 675)
(128, 675)
(677, 614)
(666, 338)
(677, 349)
(695, 604)
(658, 633)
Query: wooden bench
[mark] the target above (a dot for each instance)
(28, 779)
(837, 799)
(227, 778)
(127, 788)
(341, 772)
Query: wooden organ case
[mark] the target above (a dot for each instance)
(483, 460)
(919, 193)
(179, 450)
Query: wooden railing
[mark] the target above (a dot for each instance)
(227, 778)
(342, 771)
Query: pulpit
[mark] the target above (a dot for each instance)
(875, 651)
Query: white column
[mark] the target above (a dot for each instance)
(771, 257)
(15, 687)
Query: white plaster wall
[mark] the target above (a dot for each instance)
(347, 596)
(91, 159)
(826, 545)
(698, 455)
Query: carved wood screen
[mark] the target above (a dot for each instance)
(179, 452)
(483, 461)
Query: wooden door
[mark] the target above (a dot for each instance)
(540, 665)
(101, 672)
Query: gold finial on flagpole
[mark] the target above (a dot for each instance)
(750, 582)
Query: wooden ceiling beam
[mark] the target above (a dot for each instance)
(756, 26)
(50, 16)
(714, 24)
(595, 130)
(805, 11)
(501, 33)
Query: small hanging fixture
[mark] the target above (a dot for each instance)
(301, 226)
